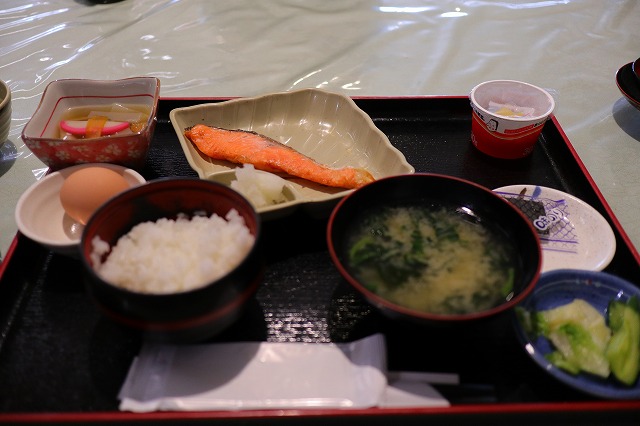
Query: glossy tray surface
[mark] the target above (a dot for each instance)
(58, 355)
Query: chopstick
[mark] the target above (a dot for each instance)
(427, 377)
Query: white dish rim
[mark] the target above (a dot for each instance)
(606, 238)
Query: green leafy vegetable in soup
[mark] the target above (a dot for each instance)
(432, 259)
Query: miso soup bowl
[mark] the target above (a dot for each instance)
(186, 315)
(42, 135)
(474, 202)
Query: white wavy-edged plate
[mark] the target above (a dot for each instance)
(328, 127)
(572, 233)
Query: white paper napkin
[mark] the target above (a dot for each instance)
(262, 375)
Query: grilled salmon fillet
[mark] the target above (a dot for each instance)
(245, 147)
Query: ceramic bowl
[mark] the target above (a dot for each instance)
(5, 111)
(328, 127)
(468, 201)
(40, 216)
(562, 286)
(178, 316)
(42, 133)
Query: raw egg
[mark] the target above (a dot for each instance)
(85, 190)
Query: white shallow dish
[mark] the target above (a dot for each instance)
(40, 216)
(328, 127)
(572, 233)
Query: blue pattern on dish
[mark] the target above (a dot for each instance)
(536, 192)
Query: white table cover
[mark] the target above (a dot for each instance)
(199, 48)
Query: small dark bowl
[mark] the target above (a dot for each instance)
(482, 204)
(179, 317)
(629, 84)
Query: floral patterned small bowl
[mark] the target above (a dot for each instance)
(42, 133)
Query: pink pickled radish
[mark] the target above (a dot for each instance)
(79, 127)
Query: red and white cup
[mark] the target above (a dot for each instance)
(508, 116)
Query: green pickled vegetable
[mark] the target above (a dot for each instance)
(586, 341)
(579, 334)
(577, 351)
(578, 311)
(623, 351)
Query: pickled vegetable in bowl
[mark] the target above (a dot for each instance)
(93, 121)
(572, 310)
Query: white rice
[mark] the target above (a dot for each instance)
(169, 256)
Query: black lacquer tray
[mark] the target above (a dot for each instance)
(61, 362)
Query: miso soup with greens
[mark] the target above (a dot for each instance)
(436, 259)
